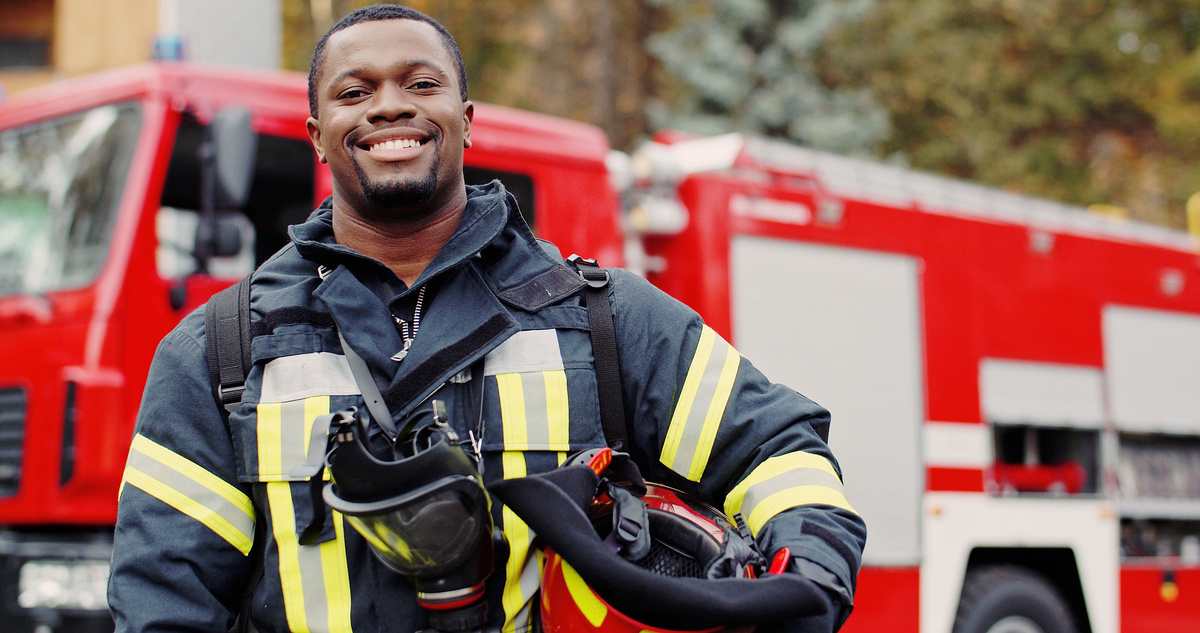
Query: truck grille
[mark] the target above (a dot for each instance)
(12, 438)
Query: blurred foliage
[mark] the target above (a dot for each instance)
(1085, 101)
(634, 66)
(1093, 102)
(748, 66)
(571, 58)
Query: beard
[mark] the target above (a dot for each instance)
(392, 194)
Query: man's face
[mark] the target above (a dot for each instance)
(391, 125)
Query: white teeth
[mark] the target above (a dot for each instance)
(400, 144)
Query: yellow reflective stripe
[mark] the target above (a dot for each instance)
(270, 427)
(194, 491)
(518, 594)
(283, 517)
(512, 410)
(314, 407)
(588, 602)
(702, 401)
(337, 578)
(766, 509)
(334, 567)
(558, 410)
(314, 578)
(783, 482)
(283, 521)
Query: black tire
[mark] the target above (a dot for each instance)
(1011, 599)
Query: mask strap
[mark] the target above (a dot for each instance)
(370, 391)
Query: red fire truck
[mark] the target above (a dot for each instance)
(1013, 382)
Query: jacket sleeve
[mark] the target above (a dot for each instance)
(704, 419)
(185, 526)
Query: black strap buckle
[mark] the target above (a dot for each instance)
(231, 395)
(590, 271)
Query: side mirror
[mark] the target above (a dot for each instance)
(226, 171)
(227, 239)
(234, 145)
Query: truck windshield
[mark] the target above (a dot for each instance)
(60, 185)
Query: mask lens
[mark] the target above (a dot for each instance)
(437, 531)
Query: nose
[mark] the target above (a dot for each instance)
(390, 103)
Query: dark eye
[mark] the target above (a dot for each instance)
(352, 93)
(424, 84)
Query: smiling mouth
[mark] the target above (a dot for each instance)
(397, 144)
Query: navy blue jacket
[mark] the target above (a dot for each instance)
(196, 484)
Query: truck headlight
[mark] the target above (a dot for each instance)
(63, 584)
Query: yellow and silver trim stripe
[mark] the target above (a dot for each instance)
(522, 572)
(701, 406)
(784, 482)
(535, 411)
(315, 578)
(194, 491)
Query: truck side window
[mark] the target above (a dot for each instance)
(519, 185)
(281, 194)
(60, 185)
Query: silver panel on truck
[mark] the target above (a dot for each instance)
(842, 326)
(1152, 363)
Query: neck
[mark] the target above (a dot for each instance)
(406, 245)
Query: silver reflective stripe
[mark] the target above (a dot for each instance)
(527, 351)
(701, 405)
(312, 579)
(294, 436)
(783, 482)
(759, 493)
(194, 491)
(303, 375)
(537, 425)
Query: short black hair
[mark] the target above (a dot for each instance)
(373, 13)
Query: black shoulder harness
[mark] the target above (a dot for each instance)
(227, 339)
(228, 334)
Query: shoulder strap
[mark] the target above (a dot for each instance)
(604, 350)
(227, 342)
(227, 336)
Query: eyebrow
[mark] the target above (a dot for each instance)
(410, 66)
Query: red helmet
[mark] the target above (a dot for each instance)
(634, 557)
(687, 535)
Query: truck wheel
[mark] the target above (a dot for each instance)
(1011, 599)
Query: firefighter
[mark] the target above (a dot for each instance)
(443, 294)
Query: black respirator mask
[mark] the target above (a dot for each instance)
(421, 505)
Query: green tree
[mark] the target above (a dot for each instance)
(1085, 101)
(748, 66)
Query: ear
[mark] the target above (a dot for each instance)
(314, 135)
(468, 116)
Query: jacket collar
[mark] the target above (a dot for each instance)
(484, 220)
